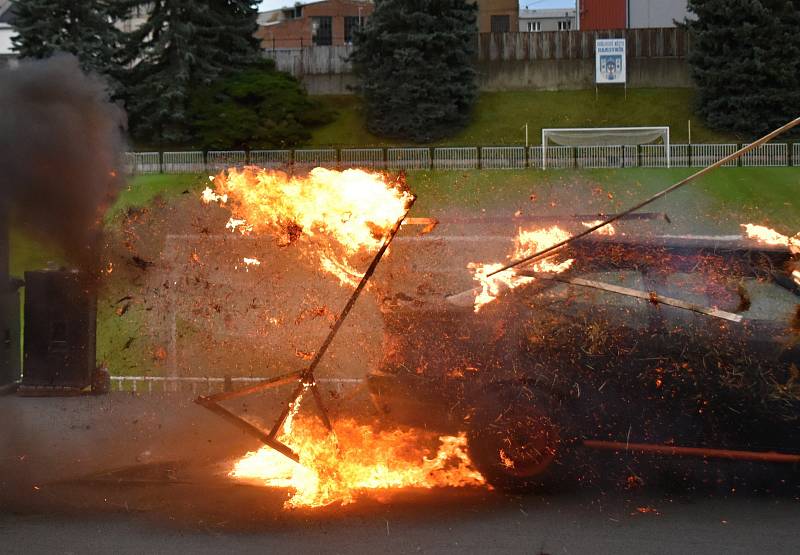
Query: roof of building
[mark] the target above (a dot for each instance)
(6, 14)
(547, 14)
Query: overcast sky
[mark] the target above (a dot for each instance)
(532, 4)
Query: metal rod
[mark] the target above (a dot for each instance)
(245, 426)
(283, 379)
(323, 410)
(644, 295)
(307, 376)
(759, 456)
(433, 222)
(357, 292)
(735, 156)
(287, 408)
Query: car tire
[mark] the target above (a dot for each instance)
(515, 442)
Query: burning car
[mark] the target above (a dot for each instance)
(654, 345)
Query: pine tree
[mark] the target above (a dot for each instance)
(84, 28)
(745, 61)
(183, 44)
(415, 62)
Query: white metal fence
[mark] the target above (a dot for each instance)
(503, 158)
(271, 158)
(184, 162)
(370, 158)
(558, 157)
(465, 158)
(218, 160)
(705, 155)
(456, 158)
(654, 156)
(316, 158)
(599, 156)
(172, 384)
(408, 158)
(768, 155)
(680, 156)
(137, 163)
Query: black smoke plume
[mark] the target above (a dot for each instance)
(60, 150)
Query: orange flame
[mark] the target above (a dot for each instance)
(527, 243)
(336, 468)
(608, 230)
(769, 236)
(349, 210)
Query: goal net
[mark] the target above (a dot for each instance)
(612, 137)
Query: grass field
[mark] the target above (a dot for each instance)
(769, 195)
(500, 117)
(717, 203)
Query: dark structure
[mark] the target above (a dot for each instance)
(9, 313)
(59, 331)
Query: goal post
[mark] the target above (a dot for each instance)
(605, 136)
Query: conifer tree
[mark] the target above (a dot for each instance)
(745, 61)
(85, 29)
(182, 45)
(415, 63)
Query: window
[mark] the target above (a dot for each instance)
(565, 25)
(322, 31)
(352, 23)
(501, 24)
(534, 26)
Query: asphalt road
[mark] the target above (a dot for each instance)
(127, 474)
(433, 522)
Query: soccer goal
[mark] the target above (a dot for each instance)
(596, 145)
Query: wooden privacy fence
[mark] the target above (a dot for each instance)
(579, 45)
(464, 158)
(669, 42)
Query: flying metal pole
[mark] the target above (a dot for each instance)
(730, 158)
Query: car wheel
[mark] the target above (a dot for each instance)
(515, 444)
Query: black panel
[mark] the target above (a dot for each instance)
(5, 250)
(59, 330)
(9, 337)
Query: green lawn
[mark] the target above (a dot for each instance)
(500, 117)
(770, 195)
(143, 189)
(718, 201)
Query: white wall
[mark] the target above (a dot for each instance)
(5, 39)
(656, 13)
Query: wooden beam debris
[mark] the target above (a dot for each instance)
(650, 296)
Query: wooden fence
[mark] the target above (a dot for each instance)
(550, 45)
(579, 45)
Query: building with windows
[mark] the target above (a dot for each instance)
(319, 23)
(498, 16)
(630, 14)
(534, 21)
